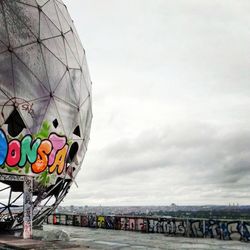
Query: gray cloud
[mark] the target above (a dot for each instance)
(192, 148)
(170, 101)
(196, 163)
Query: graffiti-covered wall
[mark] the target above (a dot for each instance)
(196, 228)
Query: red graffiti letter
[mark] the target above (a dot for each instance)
(14, 153)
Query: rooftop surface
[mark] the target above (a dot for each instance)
(115, 239)
(8, 242)
(86, 238)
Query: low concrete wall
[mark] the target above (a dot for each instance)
(201, 228)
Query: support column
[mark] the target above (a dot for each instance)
(27, 207)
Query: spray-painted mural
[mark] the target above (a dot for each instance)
(101, 222)
(109, 222)
(26, 155)
(246, 231)
(84, 221)
(117, 221)
(92, 221)
(167, 226)
(141, 225)
(196, 228)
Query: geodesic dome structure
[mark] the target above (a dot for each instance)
(45, 106)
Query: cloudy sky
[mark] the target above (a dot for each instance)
(171, 87)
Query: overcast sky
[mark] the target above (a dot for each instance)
(171, 87)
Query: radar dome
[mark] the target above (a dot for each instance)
(45, 104)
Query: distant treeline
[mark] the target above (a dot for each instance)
(242, 214)
(188, 227)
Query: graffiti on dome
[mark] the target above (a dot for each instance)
(43, 155)
(21, 104)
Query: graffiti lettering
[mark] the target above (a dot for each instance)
(44, 154)
(14, 155)
(3, 147)
(28, 150)
(42, 159)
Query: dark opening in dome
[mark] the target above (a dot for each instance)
(15, 123)
(77, 131)
(72, 152)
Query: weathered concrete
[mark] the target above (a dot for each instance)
(121, 240)
(12, 242)
(52, 235)
(87, 238)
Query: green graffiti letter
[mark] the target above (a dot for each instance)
(28, 150)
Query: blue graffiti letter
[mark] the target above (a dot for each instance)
(3, 147)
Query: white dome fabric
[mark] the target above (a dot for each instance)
(45, 95)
